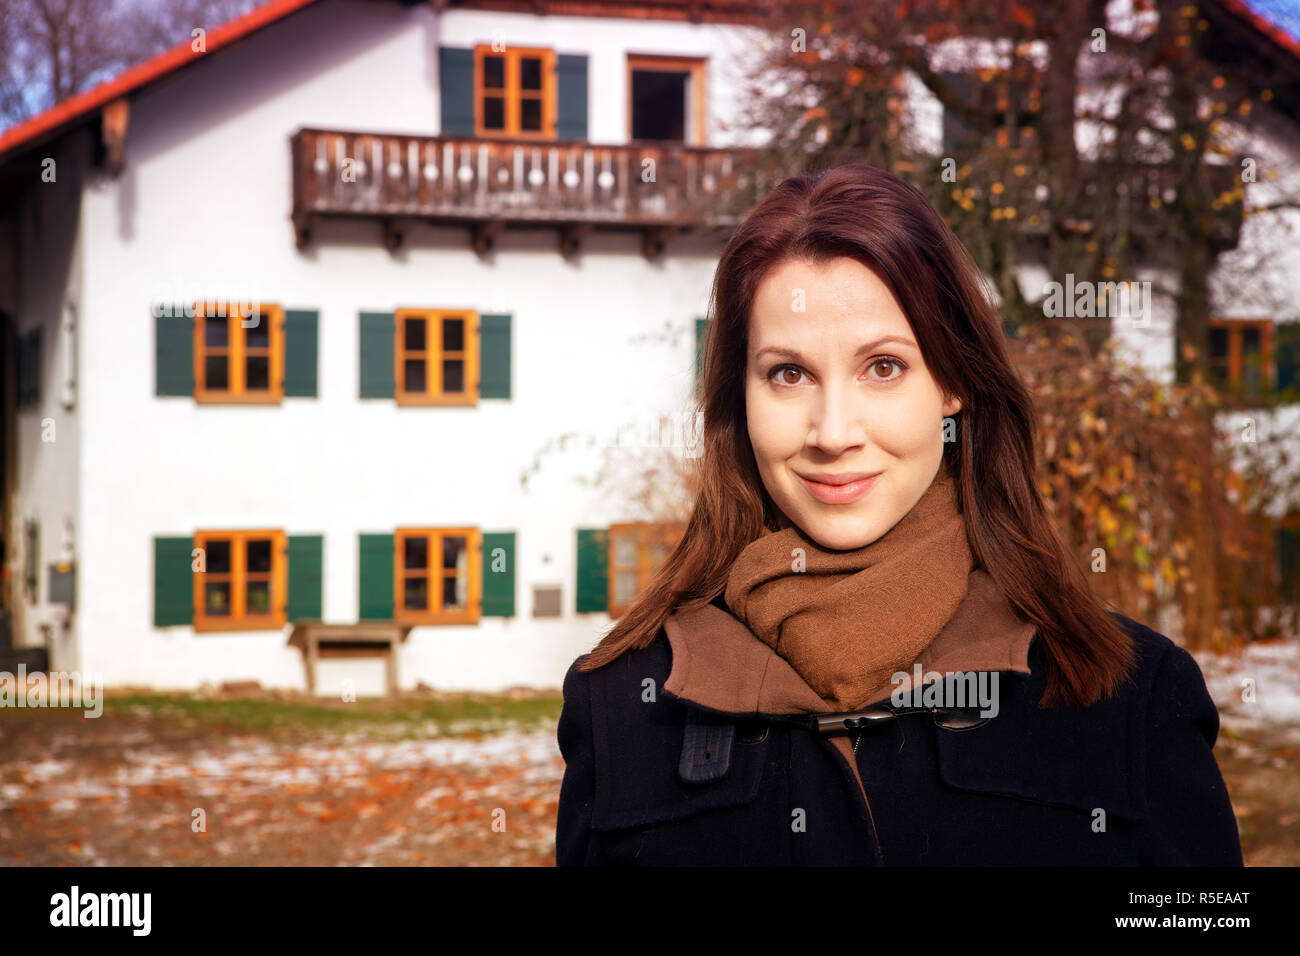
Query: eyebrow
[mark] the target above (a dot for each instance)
(869, 346)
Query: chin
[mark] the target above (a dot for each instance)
(839, 535)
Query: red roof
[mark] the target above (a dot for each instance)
(1275, 33)
(76, 107)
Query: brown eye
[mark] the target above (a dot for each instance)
(781, 375)
(888, 362)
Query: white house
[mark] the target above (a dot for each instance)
(332, 312)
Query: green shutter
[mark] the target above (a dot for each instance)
(571, 94)
(498, 575)
(300, 353)
(701, 328)
(1286, 353)
(456, 84)
(593, 569)
(376, 575)
(173, 581)
(494, 356)
(174, 353)
(377, 355)
(305, 581)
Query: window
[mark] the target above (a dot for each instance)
(434, 356)
(234, 362)
(438, 575)
(666, 99)
(241, 582)
(1241, 356)
(514, 92)
(636, 552)
(437, 357)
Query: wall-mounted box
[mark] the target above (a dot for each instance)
(62, 583)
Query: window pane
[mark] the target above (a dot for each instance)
(415, 380)
(216, 332)
(216, 372)
(624, 587)
(257, 373)
(453, 552)
(259, 597)
(494, 112)
(414, 335)
(530, 115)
(415, 553)
(455, 593)
(416, 594)
(453, 335)
(217, 557)
(258, 556)
(494, 72)
(453, 375)
(530, 73)
(1250, 360)
(1218, 343)
(1249, 341)
(259, 336)
(625, 549)
(216, 598)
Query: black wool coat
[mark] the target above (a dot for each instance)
(656, 779)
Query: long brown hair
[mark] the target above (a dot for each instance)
(886, 224)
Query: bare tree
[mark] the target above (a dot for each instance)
(53, 49)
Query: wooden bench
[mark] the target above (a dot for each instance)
(316, 640)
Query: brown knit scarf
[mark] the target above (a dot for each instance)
(847, 621)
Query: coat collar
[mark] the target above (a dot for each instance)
(719, 664)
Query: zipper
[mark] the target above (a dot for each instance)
(841, 745)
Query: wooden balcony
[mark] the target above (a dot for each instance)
(487, 185)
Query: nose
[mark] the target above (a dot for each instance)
(837, 423)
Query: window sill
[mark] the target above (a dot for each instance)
(210, 625)
(218, 398)
(426, 620)
(448, 400)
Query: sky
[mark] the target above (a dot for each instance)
(1283, 13)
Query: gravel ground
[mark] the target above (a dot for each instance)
(139, 788)
(123, 791)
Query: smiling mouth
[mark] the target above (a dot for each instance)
(838, 494)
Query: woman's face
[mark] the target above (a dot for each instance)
(836, 388)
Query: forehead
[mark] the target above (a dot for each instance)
(804, 299)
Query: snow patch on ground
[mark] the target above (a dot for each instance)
(1257, 686)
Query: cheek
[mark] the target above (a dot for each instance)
(772, 429)
(909, 428)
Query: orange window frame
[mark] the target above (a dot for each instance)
(239, 619)
(696, 67)
(1236, 362)
(433, 355)
(646, 534)
(513, 94)
(236, 351)
(434, 572)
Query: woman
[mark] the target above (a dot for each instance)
(868, 527)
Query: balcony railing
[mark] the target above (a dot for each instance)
(656, 188)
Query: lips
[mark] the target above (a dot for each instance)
(840, 489)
